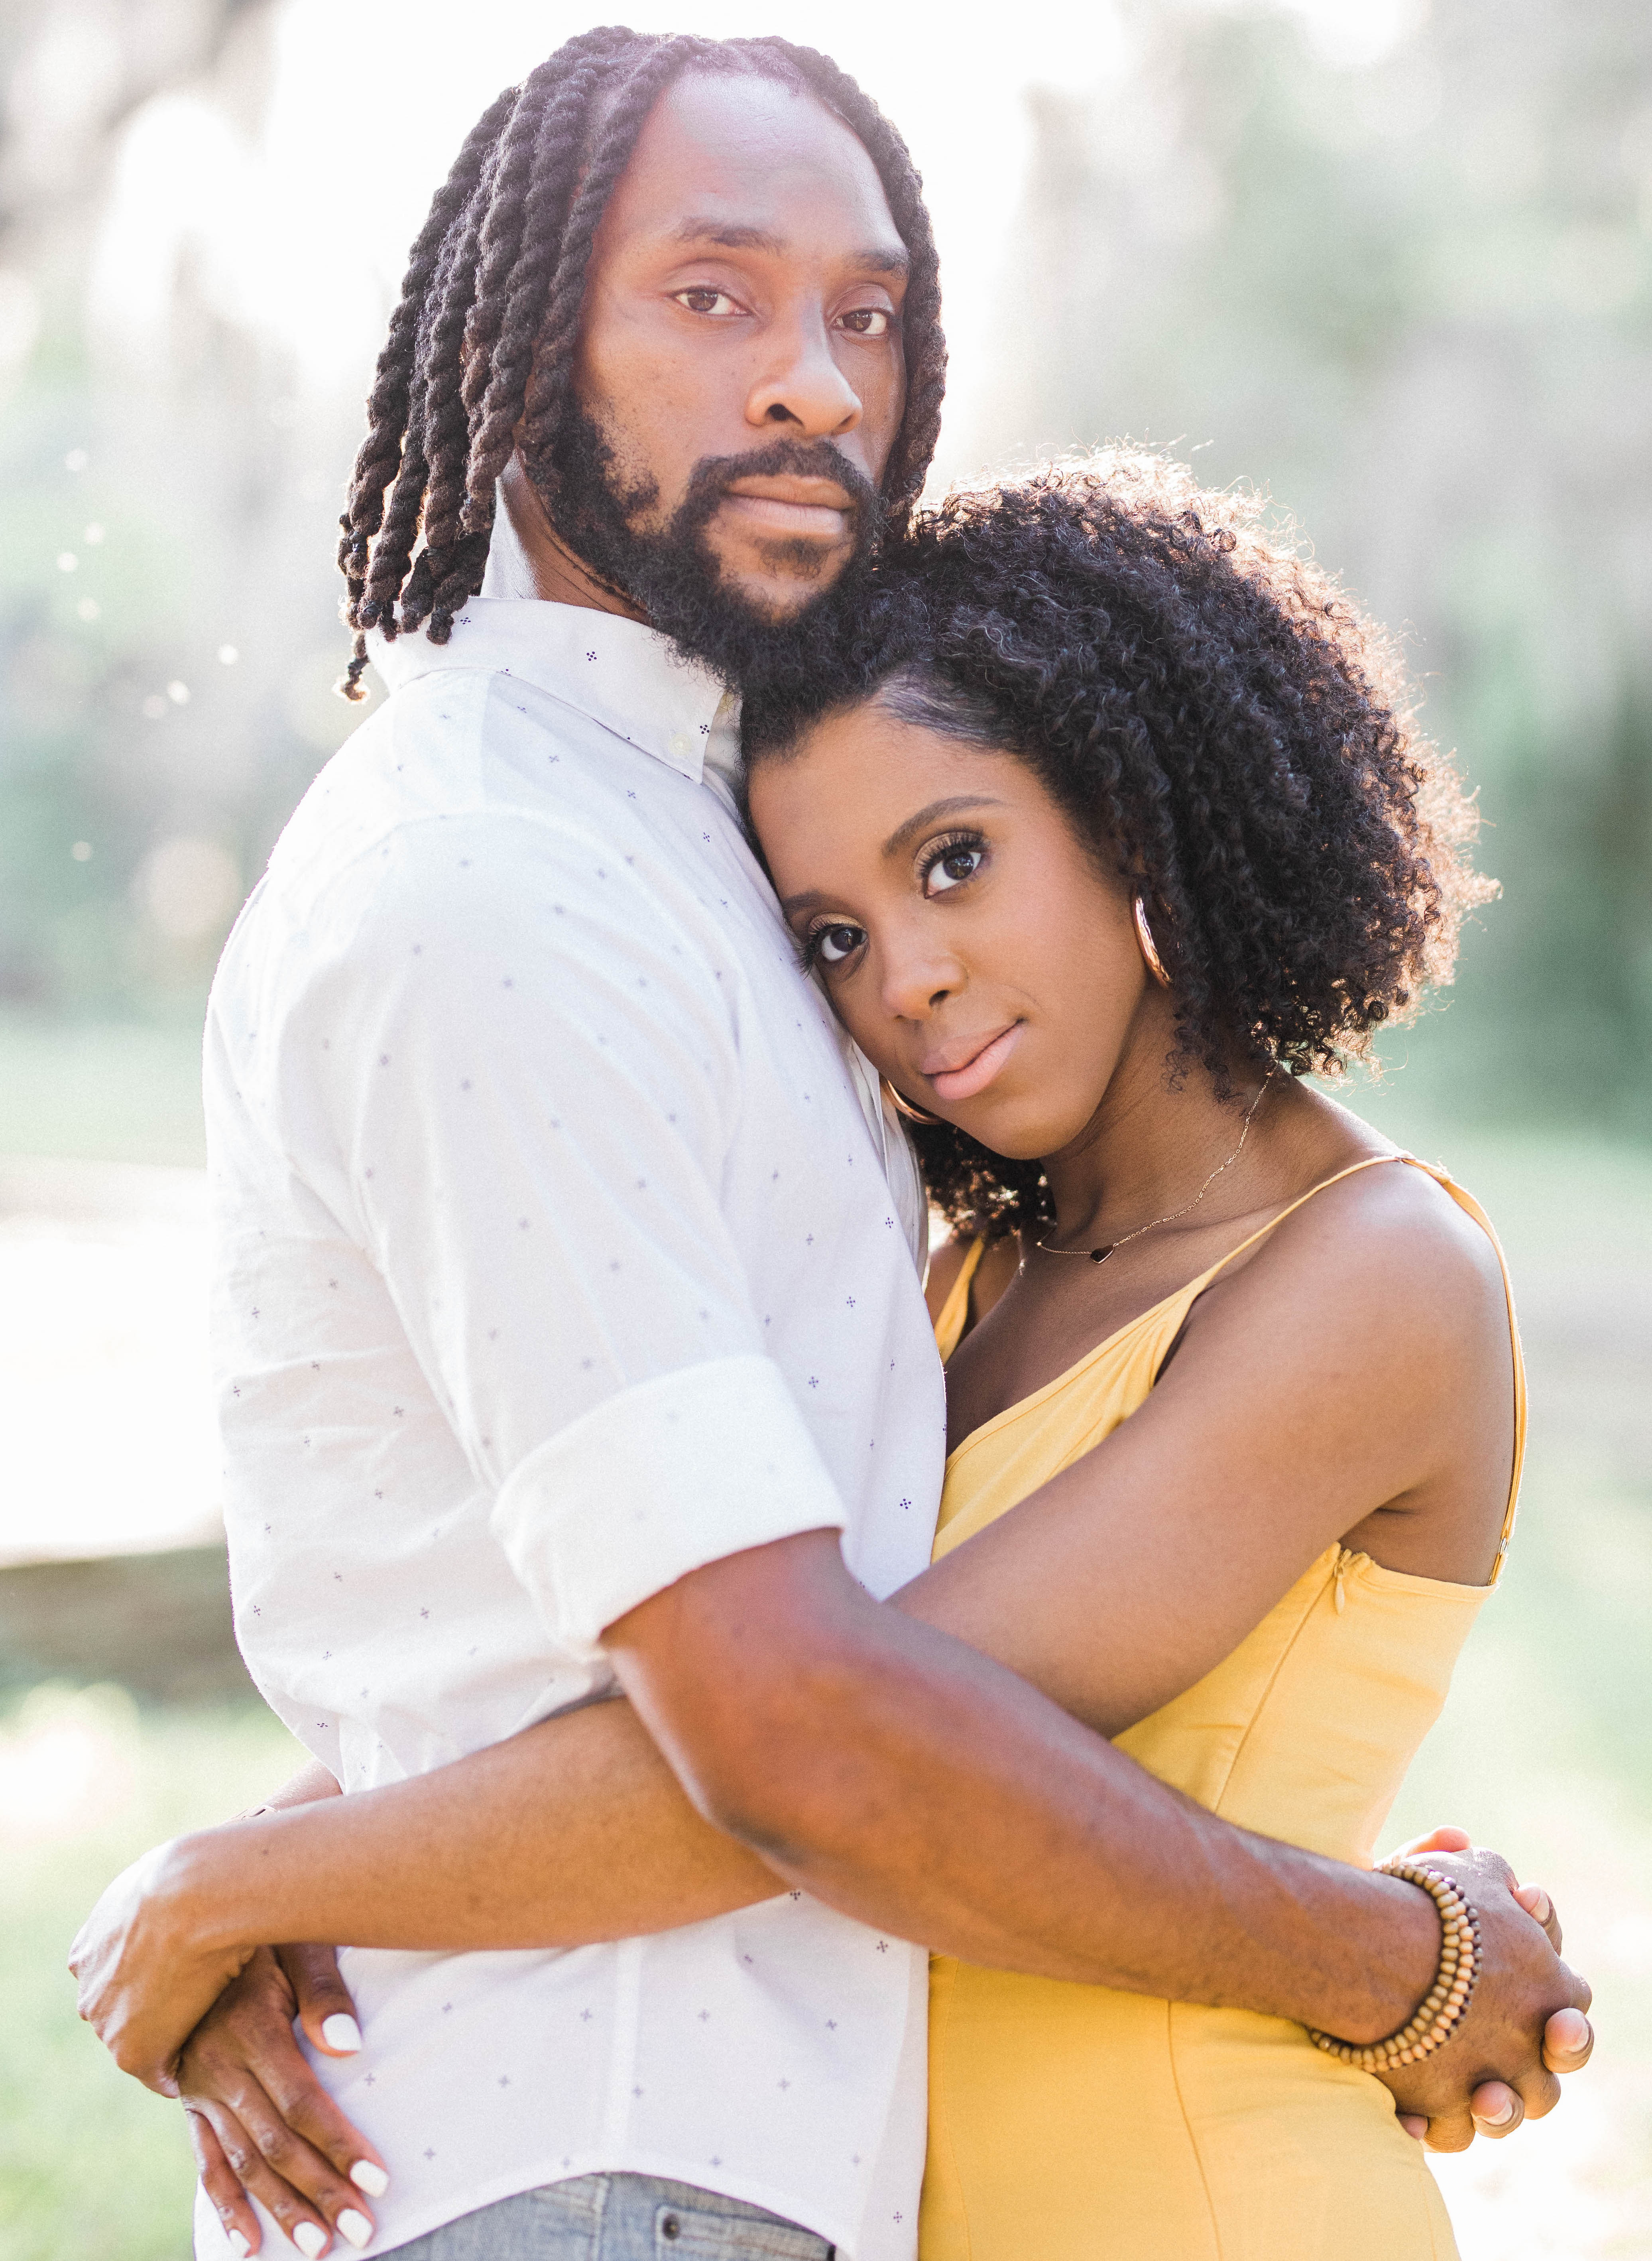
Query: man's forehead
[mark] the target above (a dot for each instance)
(745, 163)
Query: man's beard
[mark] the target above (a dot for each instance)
(673, 576)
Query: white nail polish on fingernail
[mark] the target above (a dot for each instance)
(239, 2244)
(355, 2226)
(341, 2032)
(371, 2179)
(311, 2241)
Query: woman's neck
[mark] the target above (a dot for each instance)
(1148, 1150)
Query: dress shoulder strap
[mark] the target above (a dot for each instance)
(954, 1313)
(1371, 1162)
(1470, 1207)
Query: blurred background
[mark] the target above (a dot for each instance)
(1391, 262)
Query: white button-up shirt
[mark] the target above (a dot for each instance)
(560, 1252)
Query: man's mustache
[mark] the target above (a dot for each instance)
(811, 459)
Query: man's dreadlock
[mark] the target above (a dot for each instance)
(483, 341)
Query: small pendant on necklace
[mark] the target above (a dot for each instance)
(1100, 1255)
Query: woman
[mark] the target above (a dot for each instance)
(1120, 827)
(1125, 829)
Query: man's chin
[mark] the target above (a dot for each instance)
(782, 582)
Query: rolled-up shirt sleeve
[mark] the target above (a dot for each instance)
(528, 1072)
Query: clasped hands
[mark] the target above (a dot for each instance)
(214, 2023)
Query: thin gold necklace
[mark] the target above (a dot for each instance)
(1110, 1247)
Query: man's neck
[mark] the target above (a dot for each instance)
(559, 577)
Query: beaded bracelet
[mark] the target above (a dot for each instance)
(1442, 2008)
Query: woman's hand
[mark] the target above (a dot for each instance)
(261, 2124)
(1498, 2060)
(154, 1954)
(148, 1969)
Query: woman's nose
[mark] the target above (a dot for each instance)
(917, 985)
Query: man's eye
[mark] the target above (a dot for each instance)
(704, 300)
(951, 870)
(868, 321)
(834, 944)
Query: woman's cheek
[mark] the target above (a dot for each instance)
(853, 1001)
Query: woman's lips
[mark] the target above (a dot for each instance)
(965, 1083)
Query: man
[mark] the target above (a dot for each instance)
(571, 1337)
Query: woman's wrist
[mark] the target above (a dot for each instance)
(212, 1891)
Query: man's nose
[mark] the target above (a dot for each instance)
(801, 388)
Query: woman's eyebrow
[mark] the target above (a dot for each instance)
(904, 835)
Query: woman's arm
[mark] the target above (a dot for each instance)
(571, 1832)
(1354, 1382)
(1303, 1397)
(1307, 1394)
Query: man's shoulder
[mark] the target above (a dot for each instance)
(442, 756)
(417, 837)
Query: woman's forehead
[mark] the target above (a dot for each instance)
(854, 780)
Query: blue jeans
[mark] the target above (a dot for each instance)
(619, 2218)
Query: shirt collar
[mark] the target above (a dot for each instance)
(625, 676)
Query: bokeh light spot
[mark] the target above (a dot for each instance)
(187, 886)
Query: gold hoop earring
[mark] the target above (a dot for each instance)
(905, 1106)
(1149, 948)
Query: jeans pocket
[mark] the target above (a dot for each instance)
(692, 2233)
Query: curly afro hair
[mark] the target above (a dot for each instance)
(1221, 725)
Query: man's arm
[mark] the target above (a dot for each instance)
(915, 1783)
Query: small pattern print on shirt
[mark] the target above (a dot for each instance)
(541, 1296)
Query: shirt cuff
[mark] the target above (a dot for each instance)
(666, 1477)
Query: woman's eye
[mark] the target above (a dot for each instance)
(952, 869)
(704, 300)
(868, 321)
(834, 944)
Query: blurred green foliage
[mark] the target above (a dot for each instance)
(1412, 298)
(93, 2167)
(1412, 301)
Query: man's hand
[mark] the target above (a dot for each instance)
(261, 2121)
(1525, 2021)
(146, 1980)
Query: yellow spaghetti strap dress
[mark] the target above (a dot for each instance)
(1073, 2123)
(954, 1313)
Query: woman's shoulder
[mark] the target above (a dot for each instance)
(1380, 1238)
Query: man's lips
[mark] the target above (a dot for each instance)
(816, 507)
(970, 1064)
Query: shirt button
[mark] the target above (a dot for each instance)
(671, 2226)
(679, 745)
